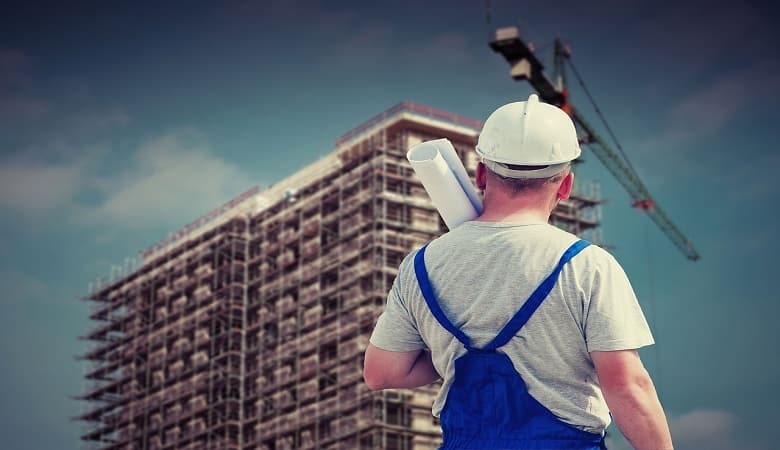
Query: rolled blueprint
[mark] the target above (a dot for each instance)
(446, 181)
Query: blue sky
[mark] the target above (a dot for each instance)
(121, 123)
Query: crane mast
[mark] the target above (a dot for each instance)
(524, 65)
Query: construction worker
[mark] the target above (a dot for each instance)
(533, 331)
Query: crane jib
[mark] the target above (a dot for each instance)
(526, 66)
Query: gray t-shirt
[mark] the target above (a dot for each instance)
(482, 273)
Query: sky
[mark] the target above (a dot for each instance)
(120, 122)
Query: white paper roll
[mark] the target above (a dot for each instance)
(447, 152)
(446, 181)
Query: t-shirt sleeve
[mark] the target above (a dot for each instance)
(614, 319)
(396, 330)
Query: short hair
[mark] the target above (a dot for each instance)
(516, 186)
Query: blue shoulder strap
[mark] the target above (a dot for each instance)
(529, 307)
(430, 298)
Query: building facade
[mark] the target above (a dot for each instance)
(246, 330)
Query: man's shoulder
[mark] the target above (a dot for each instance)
(596, 254)
(595, 263)
(593, 257)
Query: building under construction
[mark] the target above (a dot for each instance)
(246, 329)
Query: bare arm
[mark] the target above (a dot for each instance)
(631, 397)
(384, 369)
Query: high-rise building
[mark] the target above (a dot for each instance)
(246, 329)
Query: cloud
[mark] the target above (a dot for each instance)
(42, 171)
(175, 178)
(62, 157)
(702, 429)
(34, 189)
(44, 131)
(171, 179)
(42, 126)
(694, 124)
(710, 429)
(708, 110)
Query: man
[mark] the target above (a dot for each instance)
(533, 331)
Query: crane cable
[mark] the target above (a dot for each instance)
(601, 116)
(653, 304)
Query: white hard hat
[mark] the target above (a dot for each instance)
(529, 133)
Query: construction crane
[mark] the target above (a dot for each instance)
(524, 65)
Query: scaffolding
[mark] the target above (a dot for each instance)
(249, 333)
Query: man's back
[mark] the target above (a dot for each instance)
(583, 322)
(482, 273)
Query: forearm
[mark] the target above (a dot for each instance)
(639, 415)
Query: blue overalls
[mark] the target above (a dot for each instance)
(488, 405)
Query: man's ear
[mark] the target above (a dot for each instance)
(481, 176)
(564, 190)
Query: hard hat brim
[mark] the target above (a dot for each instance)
(513, 159)
(544, 172)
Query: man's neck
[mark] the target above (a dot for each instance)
(517, 209)
(524, 216)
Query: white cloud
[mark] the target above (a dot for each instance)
(701, 429)
(172, 179)
(60, 162)
(683, 144)
(709, 109)
(36, 188)
(705, 429)
(175, 178)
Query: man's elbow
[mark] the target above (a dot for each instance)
(637, 381)
(374, 379)
(633, 390)
(384, 369)
(621, 371)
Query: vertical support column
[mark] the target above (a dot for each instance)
(150, 303)
(213, 336)
(245, 234)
